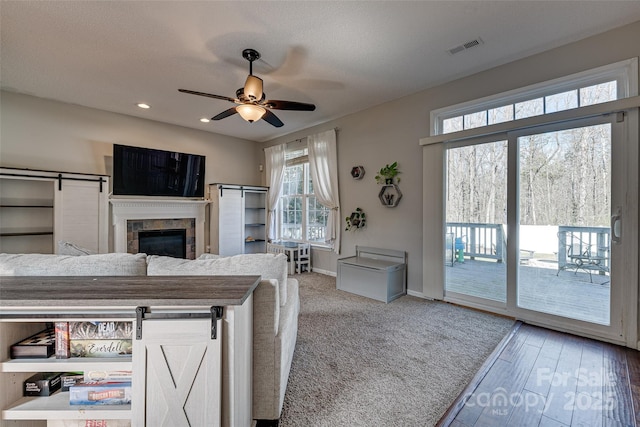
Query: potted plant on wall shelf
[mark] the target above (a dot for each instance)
(390, 193)
(387, 173)
(356, 220)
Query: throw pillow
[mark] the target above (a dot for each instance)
(68, 248)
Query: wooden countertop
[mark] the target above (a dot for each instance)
(124, 292)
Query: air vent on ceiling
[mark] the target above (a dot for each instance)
(465, 46)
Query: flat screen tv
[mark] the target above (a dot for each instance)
(148, 172)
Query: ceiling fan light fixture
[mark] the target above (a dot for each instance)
(253, 88)
(251, 99)
(250, 112)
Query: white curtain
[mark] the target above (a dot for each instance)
(274, 159)
(323, 166)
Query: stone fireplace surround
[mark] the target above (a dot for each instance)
(157, 214)
(134, 227)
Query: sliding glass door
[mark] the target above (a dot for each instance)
(565, 208)
(533, 225)
(476, 217)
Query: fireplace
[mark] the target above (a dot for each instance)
(171, 243)
(158, 232)
(131, 216)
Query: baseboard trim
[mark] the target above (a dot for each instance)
(418, 294)
(325, 272)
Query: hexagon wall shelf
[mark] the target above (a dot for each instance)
(390, 195)
(357, 172)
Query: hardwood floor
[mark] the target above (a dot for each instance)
(539, 377)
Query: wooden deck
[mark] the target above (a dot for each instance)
(539, 377)
(569, 294)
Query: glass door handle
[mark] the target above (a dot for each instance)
(616, 225)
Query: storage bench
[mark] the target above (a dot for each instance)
(375, 273)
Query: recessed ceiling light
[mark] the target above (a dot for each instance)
(143, 105)
(205, 120)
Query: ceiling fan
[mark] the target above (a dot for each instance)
(251, 101)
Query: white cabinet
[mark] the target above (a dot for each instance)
(238, 219)
(35, 411)
(178, 374)
(184, 373)
(39, 208)
(81, 214)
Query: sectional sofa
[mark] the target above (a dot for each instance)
(275, 311)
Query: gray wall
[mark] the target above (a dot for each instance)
(41, 134)
(391, 131)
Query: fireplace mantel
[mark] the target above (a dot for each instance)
(125, 209)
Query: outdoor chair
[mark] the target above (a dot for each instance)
(580, 255)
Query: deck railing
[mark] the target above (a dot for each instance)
(479, 239)
(589, 245)
(483, 240)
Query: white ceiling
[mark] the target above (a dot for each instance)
(341, 56)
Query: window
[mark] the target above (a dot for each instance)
(596, 86)
(301, 217)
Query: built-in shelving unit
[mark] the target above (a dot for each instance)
(38, 208)
(255, 221)
(238, 219)
(26, 215)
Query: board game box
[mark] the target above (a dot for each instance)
(42, 384)
(111, 376)
(40, 345)
(89, 423)
(101, 348)
(100, 393)
(70, 378)
(108, 330)
(62, 340)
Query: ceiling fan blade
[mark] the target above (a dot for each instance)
(225, 114)
(208, 95)
(272, 119)
(288, 105)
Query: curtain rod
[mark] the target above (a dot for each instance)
(337, 129)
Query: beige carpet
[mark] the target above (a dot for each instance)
(360, 362)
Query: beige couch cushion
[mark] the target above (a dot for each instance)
(269, 266)
(209, 256)
(114, 264)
